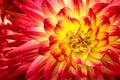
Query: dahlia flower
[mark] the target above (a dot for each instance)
(75, 39)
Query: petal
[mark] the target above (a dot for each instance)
(93, 62)
(53, 41)
(94, 72)
(57, 55)
(21, 58)
(23, 48)
(98, 7)
(64, 13)
(66, 50)
(92, 17)
(20, 70)
(44, 48)
(32, 12)
(114, 31)
(80, 57)
(103, 36)
(111, 65)
(49, 25)
(48, 9)
(87, 22)
(57, 3)
(98, 55)
(37, 35)
(49, 69)
(76, 7)
(36, 67)
(112, 12)
(64, 70)
(103, 39)
(18, 15)
(15, 37)
(80, 71)
(103, 21)
(113, 54)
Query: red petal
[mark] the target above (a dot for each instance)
(113, 54)
(87, 22)
(15, 37)
(103, 21)
(49, 69)
(48, 9)
(103, 36)
(23, 48)
(44, 47)
(53, 40)
(98, 7)
(111, 65)
(64, 13)
(114, 31)
(20, 70)
(76, 6)
(64, 70)
(35, 70)
(49, 25)
(95, 72)
(92, 17)
(80, 71)
(112, 11)
(32, 13)
(39, 36)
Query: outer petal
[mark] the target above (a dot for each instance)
(23, 48)
(36, 68)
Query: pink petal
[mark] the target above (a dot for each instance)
(44, 48)
(35, 70)
(23, 48)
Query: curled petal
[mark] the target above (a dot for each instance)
(49, 25)
(64, 13)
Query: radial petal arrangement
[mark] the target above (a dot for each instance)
(65, 40)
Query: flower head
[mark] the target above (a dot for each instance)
(78, 39)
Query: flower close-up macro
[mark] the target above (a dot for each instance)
(60, 40)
